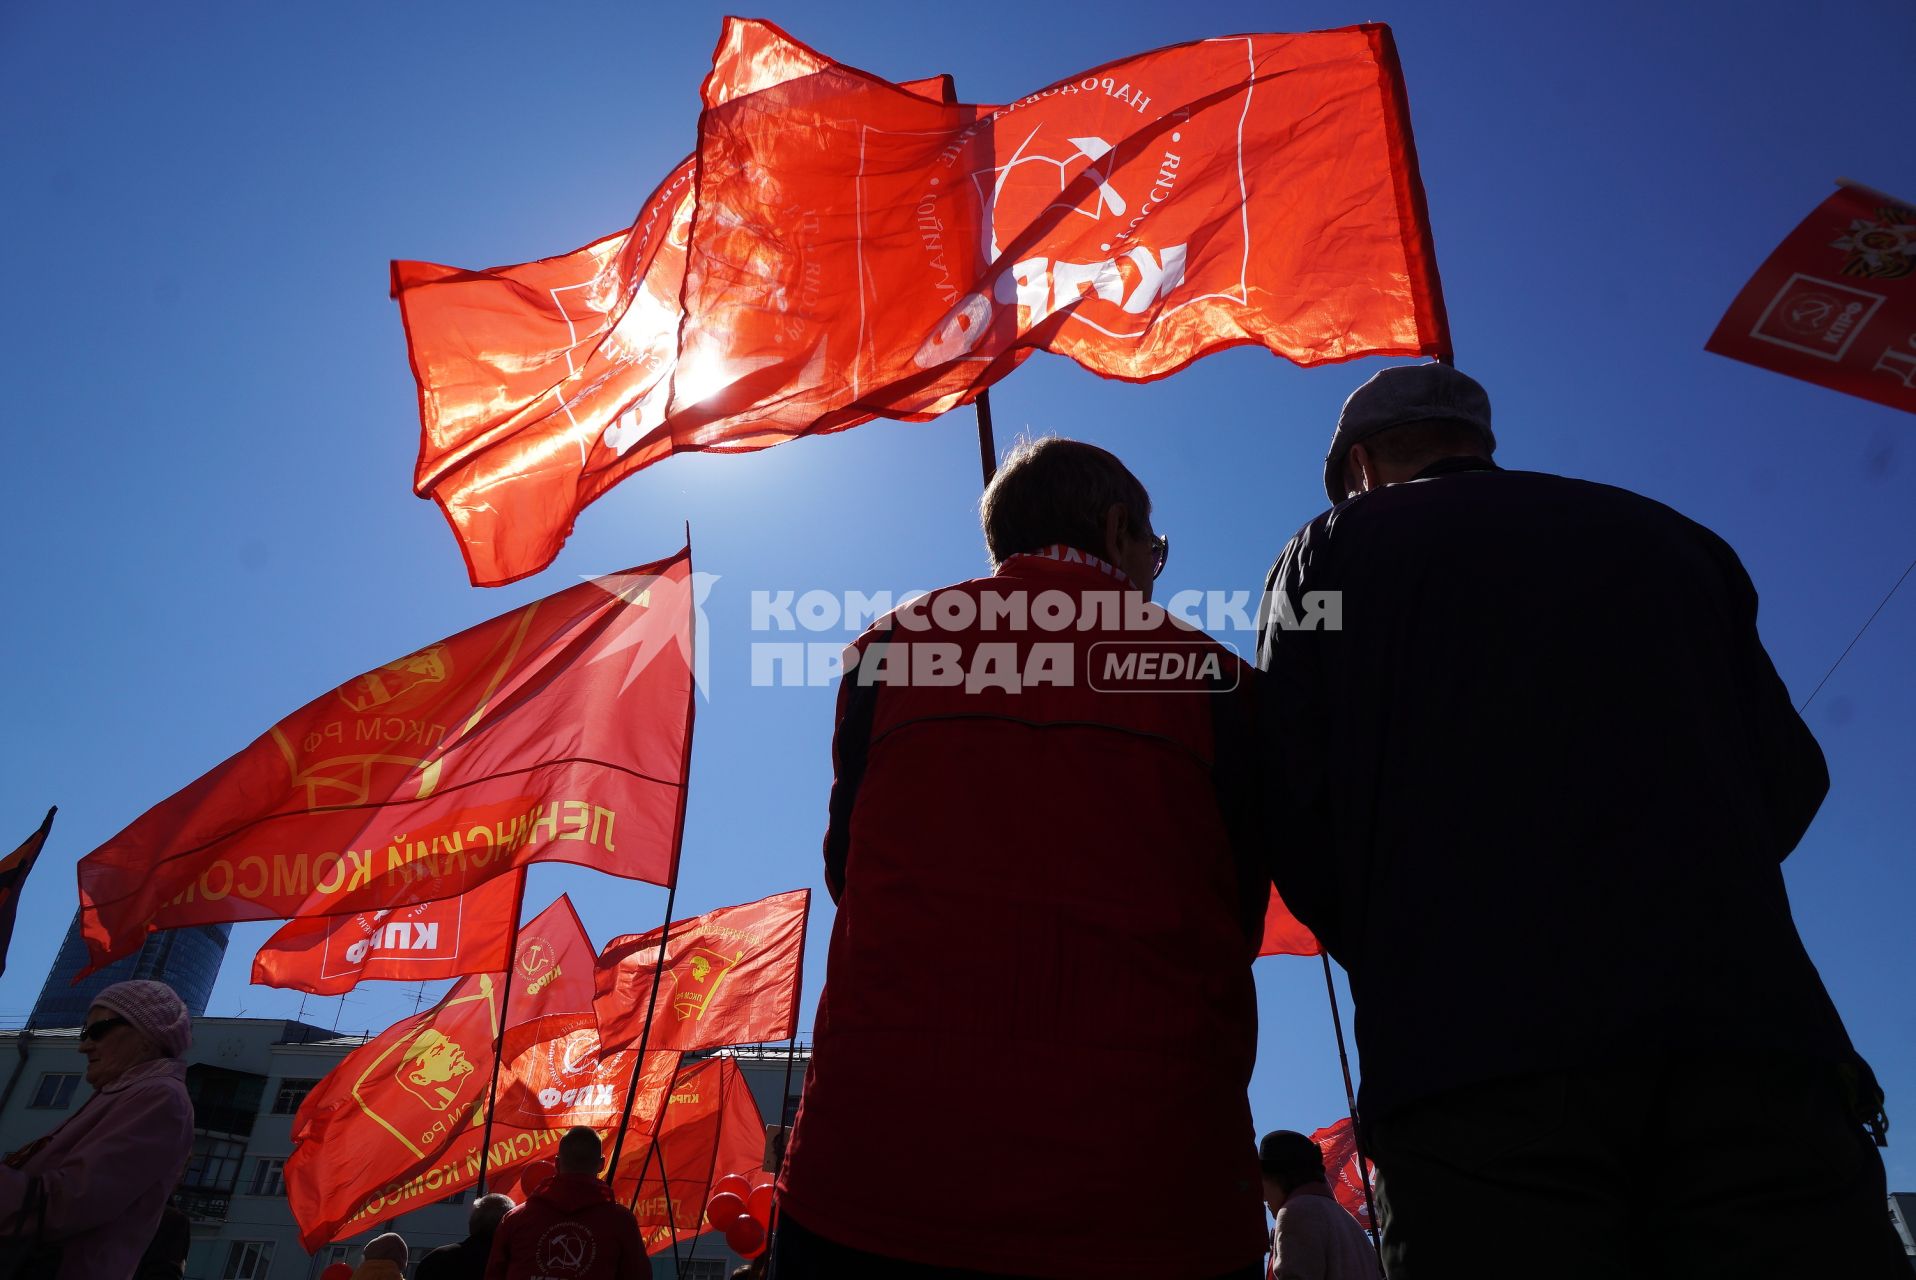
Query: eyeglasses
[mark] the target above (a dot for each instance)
(101, 1029)
(1160, 553)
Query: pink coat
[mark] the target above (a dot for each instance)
(108, 1171)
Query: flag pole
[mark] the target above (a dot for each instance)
(1350, 1100)
(671, 898)
(645, 1035)
(987, 443)
(499, 1046)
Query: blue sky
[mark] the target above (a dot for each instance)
(210, 424)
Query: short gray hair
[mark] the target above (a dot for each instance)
(486, 1212)
(1055, 491)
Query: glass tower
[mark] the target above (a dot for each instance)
(188, 960)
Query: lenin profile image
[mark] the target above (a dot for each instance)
(434, 1069)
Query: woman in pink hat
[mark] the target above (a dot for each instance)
(84, 1200)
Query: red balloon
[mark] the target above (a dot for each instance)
(758, 1205)
(747, 1237)
(736, 1183)
(536, 1174)
(337, 1271)
(724, 1209)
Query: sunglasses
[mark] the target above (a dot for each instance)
(104, 1027)
(1160, 554)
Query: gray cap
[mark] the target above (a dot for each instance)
(1403, 394)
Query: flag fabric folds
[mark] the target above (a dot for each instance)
(1835, 304)
(543, 385)
(558, 732)
(710, 1128)
(730, 976)
(399, 1123)
(1341, 1162)
(13, 878)
(326, 955)
(856, 249)
(1285, 934)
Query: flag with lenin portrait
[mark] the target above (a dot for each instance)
(399, 1123)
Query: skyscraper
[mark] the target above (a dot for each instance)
(188, 960)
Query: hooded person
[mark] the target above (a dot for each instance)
(570, 1227)
(86, 1198)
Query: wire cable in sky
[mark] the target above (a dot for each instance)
(1852, 644)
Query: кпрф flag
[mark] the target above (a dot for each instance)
(326, 955)
(711, 1128)
(1836, 303)
(399, 1123)
(557, 732)
(13, 878)
(1345, 1168)
(856, 249)
(543, 385)
(731, 976)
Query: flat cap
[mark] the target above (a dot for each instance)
(1400, 395)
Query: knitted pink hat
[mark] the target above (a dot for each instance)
(153, 1010)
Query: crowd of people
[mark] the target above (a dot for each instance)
(1511, 749)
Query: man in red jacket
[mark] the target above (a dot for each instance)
(1045, 928)
(570, 1228)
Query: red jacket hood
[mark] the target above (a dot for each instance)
(570, 1192)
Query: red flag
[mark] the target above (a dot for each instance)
(1341, 1162)
(558, 732)
(1836, 303)
(709, 1129)
(400, 1121)
(731, 977)
(1285, 934)
(326, 955)
(13, 877)
(1251, 189)
(543, 385)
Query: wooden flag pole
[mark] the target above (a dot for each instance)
(987, 442)
(1350, 1100)
(645, 1035)
(499, 1045)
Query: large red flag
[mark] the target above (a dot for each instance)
(731, 977)
(1836, 303)
(543, 385)
(710, 1128)
(558, 732)
(403, 1116)
(1249, 189)
(1342, 1163)
(325, 955)
(1285, 934)
(13, 878)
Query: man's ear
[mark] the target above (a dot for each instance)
(1360, 471)
(1117, 522)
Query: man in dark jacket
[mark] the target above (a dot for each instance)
(467, 1259)
(1532, 776)
(1044, 929)
(570, 1228)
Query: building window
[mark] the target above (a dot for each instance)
(248, 1260)
(703, 1269)
(269, 1176)
(291, 1094)
(56, 1090)
(457, 1197)
(214, 1164)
